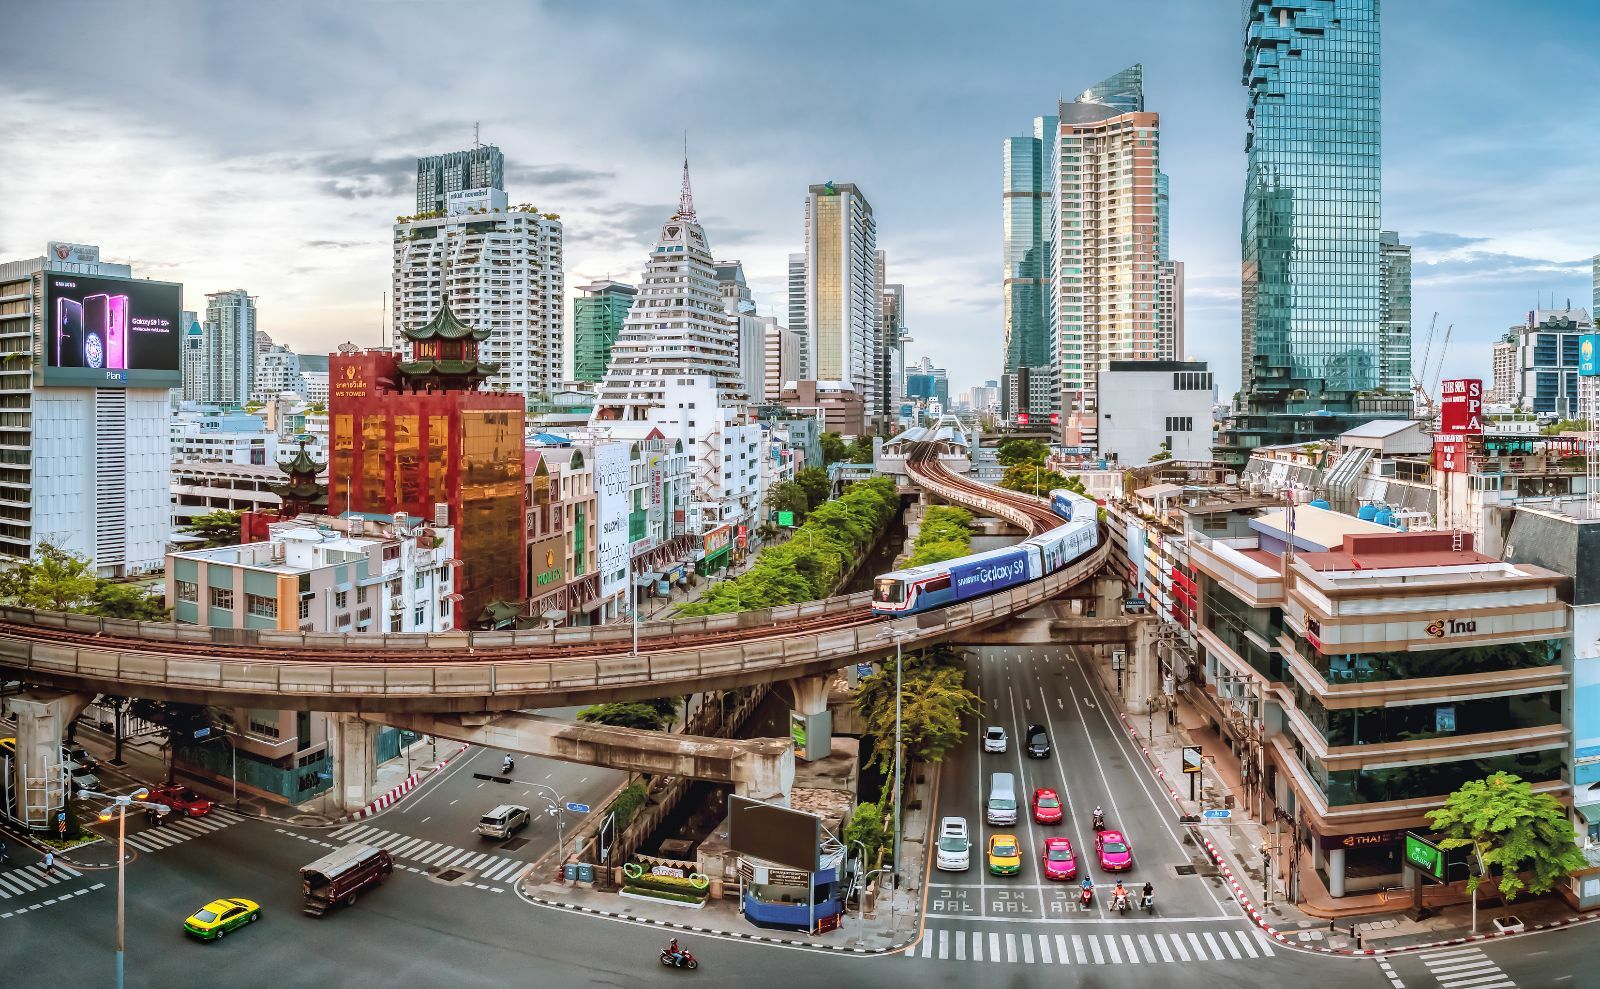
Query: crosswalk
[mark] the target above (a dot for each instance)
(176, 832)
(495, 868)
(1029, 948)
(32, 878)
(1465, 968)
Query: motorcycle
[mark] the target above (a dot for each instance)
(1149, 903)
(683, 959)
(1120, 904)
(507, 766)
(1099, 822)
(1086, 895)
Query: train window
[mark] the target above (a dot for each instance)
(890, 591)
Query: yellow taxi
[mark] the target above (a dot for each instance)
(1005, 855)
(218, 917)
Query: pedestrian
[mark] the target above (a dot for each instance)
(3, 856)
(50, 864)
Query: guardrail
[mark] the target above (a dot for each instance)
(368, 684)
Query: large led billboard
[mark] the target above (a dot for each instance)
(111, 332)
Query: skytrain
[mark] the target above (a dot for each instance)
(937, 585)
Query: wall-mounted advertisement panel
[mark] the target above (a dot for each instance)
(107, 332)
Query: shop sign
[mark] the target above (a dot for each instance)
(1364, 839)
(1314, 633)
(548, 559)
(1424, 856)
(717, 540)
(1450, 454)
(1441, 627)
(1461, 407)
(1191, 759)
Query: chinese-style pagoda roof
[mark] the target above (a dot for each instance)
(452, 369)
(445, 326)
(300, 463)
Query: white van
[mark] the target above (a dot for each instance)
(1002, 806)
(955, 848)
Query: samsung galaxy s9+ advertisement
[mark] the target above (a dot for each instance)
(111, 332)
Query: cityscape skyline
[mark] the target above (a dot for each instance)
(299, 205)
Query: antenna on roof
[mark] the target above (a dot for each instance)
(475, 142)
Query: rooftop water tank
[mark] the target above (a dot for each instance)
(1367, 512)
(1385, 516)
(1321, 503)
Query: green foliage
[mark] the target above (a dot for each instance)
(218, 528)
(127, 601)
(1565, 426)
(52, 580)
(1510, 829)
(659, 894)
(679, 886)
(934, 700)
(628, 803)
(1021, 451)
(1033, 479)
(810, 564)
(627, 714)
(834, 448)
(815, 482)
(945, 533)
(865, 826)
(788, 496)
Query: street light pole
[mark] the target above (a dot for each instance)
(121, 805)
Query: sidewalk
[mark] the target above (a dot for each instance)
(1360, 922)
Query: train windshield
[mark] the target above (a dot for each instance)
(890, 591)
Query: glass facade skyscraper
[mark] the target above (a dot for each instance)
(1025, 194)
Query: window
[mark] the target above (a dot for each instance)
(261, 606)
(341, 599)
(1180, 424)
(361, 595)
(188, 590)
(391, 553)
(421, 580)
(305, 607)
(222, 597)
(419, 616)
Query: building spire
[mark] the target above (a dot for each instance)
(686, 195)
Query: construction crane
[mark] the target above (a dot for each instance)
(1421, 391)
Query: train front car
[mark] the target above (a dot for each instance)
(918, 589)
(1070, 505)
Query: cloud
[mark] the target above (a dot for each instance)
(337, 245)
(1433, 240)
(1483, 267)
(552, 175)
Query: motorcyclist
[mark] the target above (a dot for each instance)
(1119, 896)
(673, 950)
(505, 765)
(1099, 818)
(1087, 887)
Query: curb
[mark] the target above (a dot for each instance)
(404, 787)
(1286, 940)
(836, 949)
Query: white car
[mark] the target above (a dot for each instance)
(994, 739)
(955, 848)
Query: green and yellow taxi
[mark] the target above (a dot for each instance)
(218, 917)
(1005, 855)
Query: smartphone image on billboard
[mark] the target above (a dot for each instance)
(117, 332)
(94, 330)
(69, 333)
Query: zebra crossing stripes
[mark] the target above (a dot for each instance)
(1027, 948)
(32, 878)
(176, 832)
(496, 868)
(1465, 968)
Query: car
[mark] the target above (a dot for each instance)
(1046, 806)
(183, 801)
(212, 921)
(504, 821)
(955, 847)
(994, 739)
(1038, 742)
(1005, 855)
(79, 755)
(1112, 848)
(1059, 862)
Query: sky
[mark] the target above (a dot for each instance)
(226, 144)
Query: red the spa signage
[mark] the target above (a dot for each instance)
(1461, 407)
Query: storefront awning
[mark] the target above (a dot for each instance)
(646, 579)
(1590, 812)
(553, 615)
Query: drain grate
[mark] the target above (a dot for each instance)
(1184, 870)
(513, 844)
(450, 875)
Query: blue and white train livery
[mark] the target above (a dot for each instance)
(936, 585)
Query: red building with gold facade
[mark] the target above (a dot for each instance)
(419, 437)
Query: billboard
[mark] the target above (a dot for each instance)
(1588, 359)
(613, 475)
(61, 252)
(1450, 454)
(1461, 407)
(774, 834)
(109, 332)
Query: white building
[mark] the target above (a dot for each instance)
(503, 267)
(783, 357)
(676, 330)
(228, 348)
(842, 291)
(314, 378)
(199, 488)
(1148, 406)
(277, 371)
(740, 304)
(892, 339)
(82, 467)
(1169, 310)
(207, 434)
(797, 312)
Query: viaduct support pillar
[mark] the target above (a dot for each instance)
(354, 744)
(38, 786)
(769, 779)
(810, 723)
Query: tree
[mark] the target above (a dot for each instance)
(1511, 829)
(1021, 451)
(126, 601)
(945, 533)
(218, 528)
(1033, 479)
(628, 714)
(1165, 453)
(816, 484)
(833, 448)
(934, 701)
(1565, 426)
(866, 826)
(860, 451)
(788, 496)
(52, 580)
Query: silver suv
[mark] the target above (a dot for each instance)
(994, 739)
(503, 822)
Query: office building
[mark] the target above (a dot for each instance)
(1028, 168)
(502, 268)
(314, 378)
(1151, 408)
(212, 434)
(483, 167)
(839, 405)
(797, 309)
(420, 437)
(277, 372)
(1312, 315)
(1169, 309)
(228, 367)
(677, 328)
(892, 339)
(783, 357)
(925, 382)
(192, 356)
(85, 466)
(1503, 364)
(750, 334)
(1394, 298)
(1547, 360)
(597, 318)
(842, 291)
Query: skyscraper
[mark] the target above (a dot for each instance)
(1027, 161)
(1311, 264)
(892, 337)
(1169, 310)
(1394, 357)
(749, 334)
(842, 293)
(230, 347)
(483, 167)
(797, 309)
(597, 318)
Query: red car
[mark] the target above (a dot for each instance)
(1059, 862)
(1046, 807)
(1113, 851)
(181, 799)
